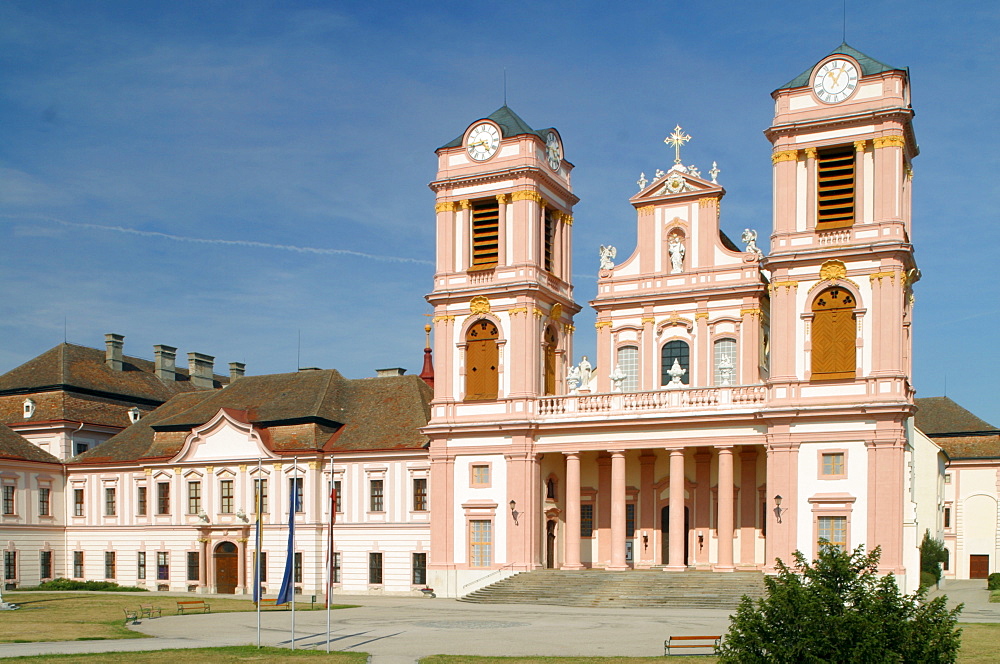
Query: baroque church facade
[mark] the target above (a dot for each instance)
(737, 407)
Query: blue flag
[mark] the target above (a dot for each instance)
(258, 562)
(287, 585)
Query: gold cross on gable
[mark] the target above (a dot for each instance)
(676, 140)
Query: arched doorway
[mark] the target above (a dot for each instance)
(550, 544)
(226, 567)
(482, 357)
(665, 535)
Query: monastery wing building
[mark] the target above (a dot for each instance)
(739, 406)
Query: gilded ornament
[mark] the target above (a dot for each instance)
(479, 305)
(526, 195)
(833, 270)
(881, 275)
(569, 327)
(517, 311)
(811, 153)
(701, 314)
(203, 540)
(148, 471)
(707, 202)
(749, 312)
(648, 319)
(209, 469)
(908, 169)
(889, 142)
(538, 313)
(784, 155)
(567, 219)
(243, 468)
(859, 146)
(645, 209)
(445, 206)
(177, 470)
(787, 285)
(314, 465)
(502, 199)
(441, 319)
(602, 323)
(556, 312)
(277, 467)
(465, 205)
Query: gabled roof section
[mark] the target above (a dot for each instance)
(13, 446)
(82, 369)
(941, 415)
(971, 447)
(510, 123)
(675, 182)
(868, 64)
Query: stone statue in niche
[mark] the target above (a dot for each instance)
(608, 254)
(675, 245)
(618, 377)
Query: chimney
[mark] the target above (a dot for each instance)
(236, 370)
(201, 369)
(166, 362)
(113, 353)
(394, 371)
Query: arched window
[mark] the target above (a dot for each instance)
(481, 360)
(833, 335)
(551, 344)
(628, 360)
(724, 360)
(679, 351)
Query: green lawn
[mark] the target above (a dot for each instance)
(230, 654)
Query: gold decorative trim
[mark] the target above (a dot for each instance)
(566, 218)
(148, 471)
(243, 468)
(277, 467)
(177, 470)
(788, 285)
(526, 195)
(479, 305)
(555, 313)
(833, 270)
(707, 202)
(465, 204)
(908, 169)
(314, 465)
(645, 210)
(538, 313)
(569, 327)
(648, 319)
(517, 311)
(701, 314)
(203, 540)
(209, 470)
(502, 199)
(889, 142)
(439, 319)
(811, 153)
(445, 206)
(675, 319)
(881, 275)
(784, 155)
(750, 312)
(602, 323)
(859, 146)
(243, 540)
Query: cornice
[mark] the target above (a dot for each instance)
(534, 172)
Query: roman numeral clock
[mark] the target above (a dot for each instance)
(835, 81)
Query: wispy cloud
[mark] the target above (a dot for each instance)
(323, 251)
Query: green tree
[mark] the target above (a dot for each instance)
(932, 554)
(838, 610)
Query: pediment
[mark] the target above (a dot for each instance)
(225, 437)
(676, 183)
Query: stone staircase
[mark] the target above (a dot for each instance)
(630, 589)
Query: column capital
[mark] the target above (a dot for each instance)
(728, 449)
(572, 454)
(616, 452)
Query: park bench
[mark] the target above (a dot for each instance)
(149, 611)
(131, 615)
(702, 642)
(272, 603)
(193, 605)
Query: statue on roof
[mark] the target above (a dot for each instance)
(608, 254)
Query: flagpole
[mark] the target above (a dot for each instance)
(329, 550)
(259, 504)
(291, 542)
(286, 594)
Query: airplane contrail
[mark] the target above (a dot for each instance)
(236, 243)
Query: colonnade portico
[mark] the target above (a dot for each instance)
(652, 515)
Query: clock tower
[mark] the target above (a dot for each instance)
(842, 268)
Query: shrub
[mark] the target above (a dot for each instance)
(838, 610)
(927, 580)
(70, 584)
(993, 581)
(932, 554)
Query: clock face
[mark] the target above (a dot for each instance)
(484, 139)
(553, 150)
(835, 81)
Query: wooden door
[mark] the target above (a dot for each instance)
(481, 360)
(665, 535)
(834, 337)
(226, 571)
(979, 567)
(550, 545)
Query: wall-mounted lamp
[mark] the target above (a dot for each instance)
(701, 540)
(777, 508)
(513, 511)
(645, 539)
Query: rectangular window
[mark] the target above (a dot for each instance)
(295, 487)
(45, 564)
(44, 502)
(336, 568)
(376, 496)
(481, 543)
(79, 447)
(77, 502)
(9, 565)
(163, 498)
(550, 239)
(338, 502)
(835, 188)
(78, 564)
(226, 496)
(263, 565)
(193, 565)
(833, 464)
(109, 564)
(586, 520)
(297, 567)
(947, 517)
(260, 496)
(8, 498)
(485, 233)
(140, 501)
(162, 565)
(630, 520)
(110, 502)
(420, 569)
(194, 497)
(374, 567)
(628, 361)
(420, 494)
(141, 565)
(834, 530)
(480, 475)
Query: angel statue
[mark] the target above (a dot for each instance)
(608, 254)
(750, 239)
(676, 248)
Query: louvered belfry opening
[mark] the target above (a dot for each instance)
(835, 188)
(485, 233)
(550, 235)
(834, 338)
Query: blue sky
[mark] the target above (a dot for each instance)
(227, 177)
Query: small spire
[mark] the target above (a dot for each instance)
(427, 372)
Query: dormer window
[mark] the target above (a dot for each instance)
(134, 414)
(29, 408)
